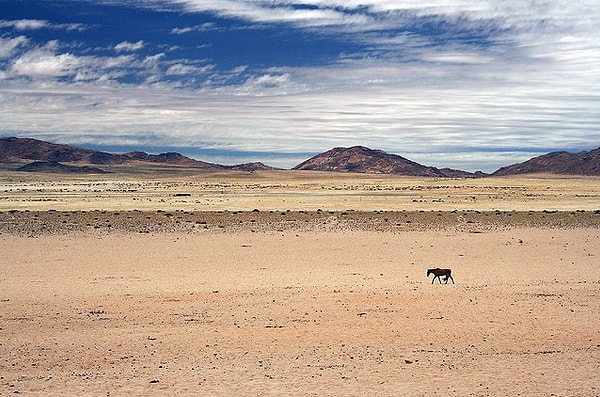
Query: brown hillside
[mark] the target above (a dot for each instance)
(56, 167)
(18, 149)
(27, 149)
(49, 157)
(364, 160)
(583, 163)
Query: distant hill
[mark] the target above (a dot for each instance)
(251, 167)
(583, 163)
(49, 157)
(365, 160)
(20, 150)
(56, 167)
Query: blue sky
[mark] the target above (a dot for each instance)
(474, 85)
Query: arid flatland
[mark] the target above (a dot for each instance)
(298, 284)
(139, 189)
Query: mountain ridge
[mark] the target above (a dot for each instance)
(50, 157)
(585, 163)
(57, 167)
(364, 160)
(14, 149)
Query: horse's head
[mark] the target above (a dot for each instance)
(432, 271)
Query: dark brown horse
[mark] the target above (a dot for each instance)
(438, 273)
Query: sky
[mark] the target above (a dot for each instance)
(471, 85)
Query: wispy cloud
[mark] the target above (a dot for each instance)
(181, 69)
(196, 28)
(48, 62)
(36, 24)
(472, 85)
(25, 24)
(126, 46)
(8, 46)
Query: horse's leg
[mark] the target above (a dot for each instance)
(433, 279)
(450, 276)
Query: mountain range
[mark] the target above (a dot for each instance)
(46, 155)
(39, 156)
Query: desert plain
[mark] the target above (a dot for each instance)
(147, 282)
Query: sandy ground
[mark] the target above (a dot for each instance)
(292, 190)
(165, 301)
(317, 313)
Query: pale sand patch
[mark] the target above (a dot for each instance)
(193, 190)
(296, 313)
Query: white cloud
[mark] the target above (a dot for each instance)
(127, 46)
(277, 11)
(239, 69)
(121, 61)
(42, 62)
(417, 122)
(196, 28)
(47, 62)
(36, 24)
(8, 46)
(272, 83)
(25, 24)
(439, 101)
(461, 57)
(181, 69)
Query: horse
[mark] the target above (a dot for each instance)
(438, 273)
